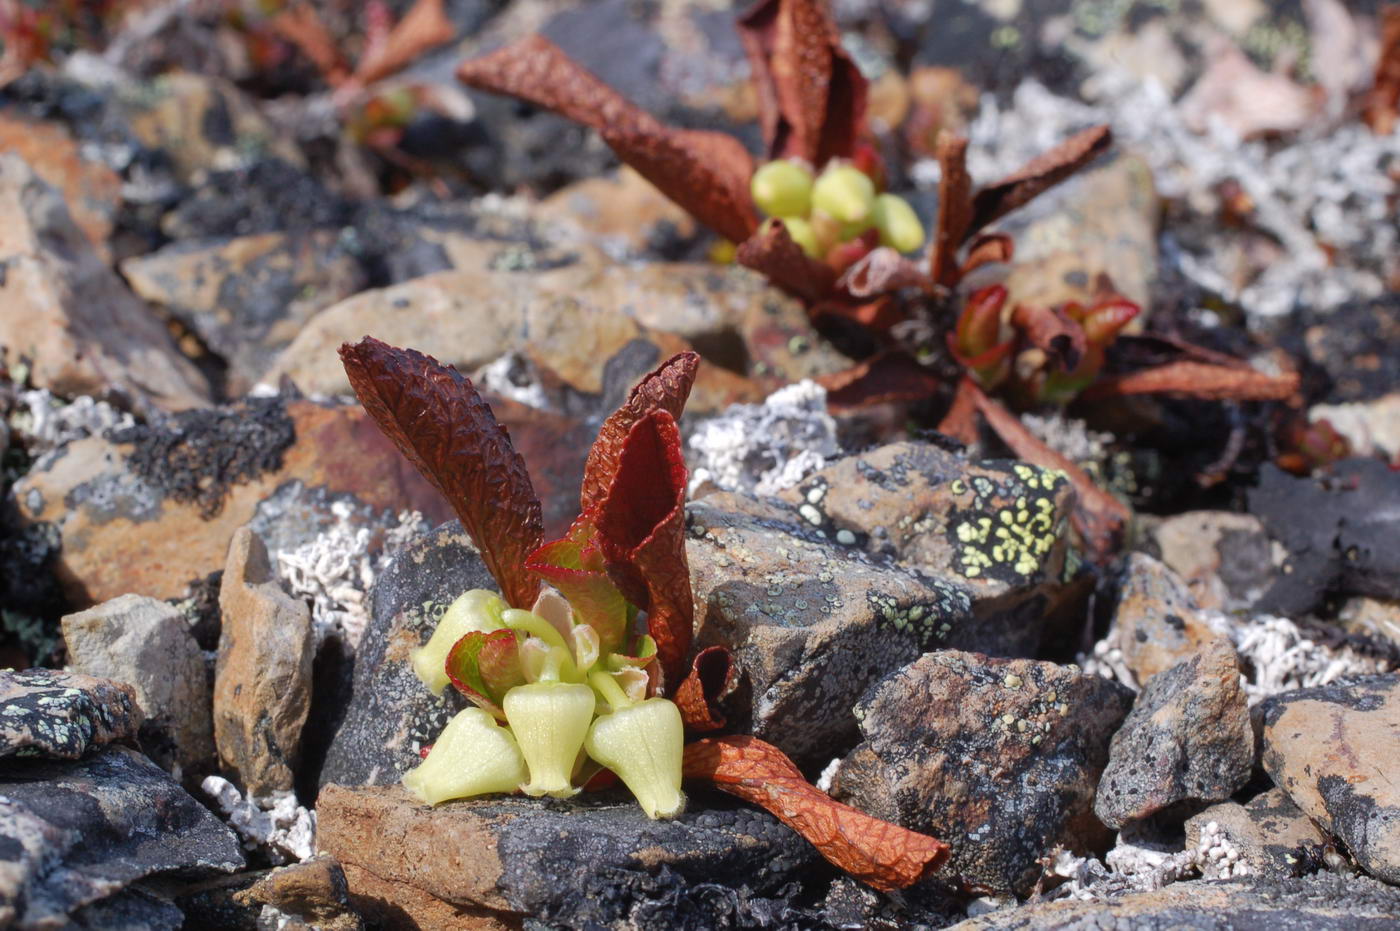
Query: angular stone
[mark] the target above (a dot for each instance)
(78, 832)
(998, 757)
(77, 323)
(1319, 902)
(262, 680)
(1188, 739)
(148, 644)
(593, 861)
(53, 713)
(91, 189)
(248, 297)
(622, 209)
(997, 527)
(309, 895)
(390, 714)
(172, 494)
(1333, 750)
(1157, 623)
(1270, 834)
(1223, 557)
(812, 623)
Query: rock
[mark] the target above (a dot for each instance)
(1320, 902)
(812, 623)
(262, 680)
(172, 493)
(1337, 532)
(265, 196)
(945, 740)
(91, 189)
(247, 297)
(148, 644)
(1352, 345)
(77, 832)
(1269, 834)
(132, 909)
(390, 713)
(1224, 558)
(1188, 739)
(1156, 623)
(310, 896)
(79, 326)
(997, 527)
(1333, 750)
(1372, 427)
(623, 210)
(594, 861)
(1375, 619)
(52, 713)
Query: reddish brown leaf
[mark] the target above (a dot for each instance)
(438, 421)
(881, 271)
(698, 695)
(1098, 516)
(667, 388)
(1198, 380)
(772, 252)
(951, 227)
(574, 564)
(884, 855)
(961, 420)
(888, 377)
(1037, 176)
(811, 95)
(1053, 333)
(985, 250)
(641, 529)
(423, 27)
(1383, 101)
(464, 667)
(302, 26)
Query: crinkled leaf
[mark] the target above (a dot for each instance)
(772, 252)
(706, 173)
(498, 651)
(985, 250)
(641, 529)
(1052, 332)
(1098, 516)
(667, 388)
(1198, 380)
(699, 694)
(301, 25)
(891, 376)
(441, 425)
(575, 566)
(881, 271)
(1383, 102)
(883, 855)
(951, 226)
(960, 422)
(811, 95)
(1037, 176)
(423, 27)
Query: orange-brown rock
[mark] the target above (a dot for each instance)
(91, 189)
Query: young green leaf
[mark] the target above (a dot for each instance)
(500, 652)
(575, 565)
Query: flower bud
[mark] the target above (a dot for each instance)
(550, 721)
(473, 756)
(477, 609)
(845, 192)
(782, 188)
(643, 744)
(898, 224)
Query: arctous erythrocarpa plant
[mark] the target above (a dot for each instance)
(584, 660)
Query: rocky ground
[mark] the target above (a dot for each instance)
(213, 565)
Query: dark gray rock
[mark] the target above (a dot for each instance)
(51, 713)
(1188, 739)
(390, 713)
(132, 909)
(77, 832)
(999, 758)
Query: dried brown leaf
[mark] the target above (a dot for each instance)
(772, 252)
(884, 855)
(1202, 380)
(698, 696)
(985, 250)
(437, 420)
(667, 388)
(891, 376)
(423, 27)
(960, 422)
(301, 25)
(1383, 101)
(954, 209)
(882, 271)
(1051, 331)
(1037, 176)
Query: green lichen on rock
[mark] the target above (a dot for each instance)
(1005, 528)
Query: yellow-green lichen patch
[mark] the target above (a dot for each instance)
(1005, 524)
(929, 623)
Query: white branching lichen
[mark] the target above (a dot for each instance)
(42, 421)
(277, 825)
(1279, 656)
(765, 448)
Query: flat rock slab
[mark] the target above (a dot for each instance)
(1271, 835)
(998, 757)
(74, 833)
(1333, 749)
(593, 861)
(1157, 622)
(1320, 902)
(50, 713)
(1188, 739)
